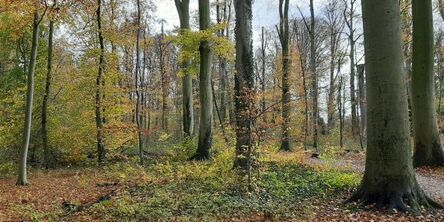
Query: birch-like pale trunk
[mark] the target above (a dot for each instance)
(22, 177)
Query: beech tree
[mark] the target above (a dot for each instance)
(22, 178)
(427, 141)
(389, 179)
(187, 80)
(283, 32)
(335, 26)
(47, 92)
(205, 91)
(137, 85)
(349, 18)
(244, 82)
(315, 114)
(99, 86)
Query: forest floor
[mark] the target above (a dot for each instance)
(286, 187)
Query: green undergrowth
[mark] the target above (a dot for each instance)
(171, 188)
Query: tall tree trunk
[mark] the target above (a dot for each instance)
(183, 9)
(331, 89)
(22, 178)
(46, 95)
(351, 36)
(164, 80)
(205, 94)
(99, 88)
(244, 83)
(335, 28)
(428, 149)
(362, 100)
(389, 179)
(221, 17)
(263, 70)
(340, 110)
(138, 116)
(315, 116)
(284, 39)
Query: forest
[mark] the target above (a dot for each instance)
(221, 110)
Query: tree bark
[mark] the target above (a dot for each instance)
(264, 44)
(427, 142)
(340, 110)
(205, 93)
(221, 17)
(183, 9)
(315, 115)
(138, 116)
(46, 95)
(164, 80)
(362, 101)
(22, 177)
(284, 39)
(389, 179)
(99, 87)
(244, 83)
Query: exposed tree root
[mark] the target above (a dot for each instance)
(404, 200)
(71, 208)
(199, 157)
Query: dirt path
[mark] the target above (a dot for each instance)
(430, 179)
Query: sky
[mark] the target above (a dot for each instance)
(265, 12)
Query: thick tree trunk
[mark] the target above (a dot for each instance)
(244, 83)
(22, 178)
(205, 94)
(284, 39)
(428, 149)
(389, 179)
(46, 96)
(99, 88)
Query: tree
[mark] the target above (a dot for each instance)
(99, 87)
(335, 26)
(389, 179)
(427, 142)
(137, 85)
(362, 101)
(183, 8)
(244, 82)
(47, 92)
(264, 45)
(349, 16)
(205, 95)
(22, 178)
(283, 32)
(315, 115)
(223, 75)
(164, 76)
